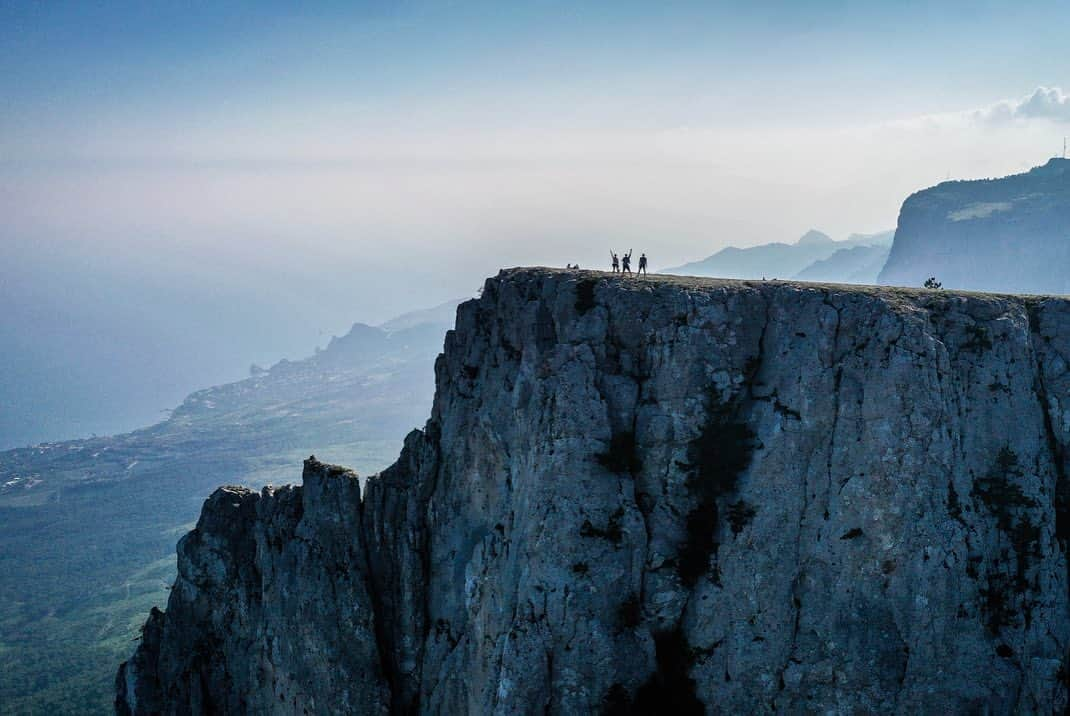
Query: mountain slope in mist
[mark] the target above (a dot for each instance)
(88, 527)
(103, 339)
(858, 264)
(777, 260)
(1006, 235)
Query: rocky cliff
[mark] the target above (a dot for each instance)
(1008, 234)
(663, 495)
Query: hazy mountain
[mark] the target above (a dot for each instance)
(441, 315)
(858, 264)
(100, 340)
(814, 237)
(881, 238)
(88, 527)
(776, 260)
(1010, 234)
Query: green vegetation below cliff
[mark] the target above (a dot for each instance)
(88, 528)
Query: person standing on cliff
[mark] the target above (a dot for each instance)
(626, 262)
(642, 264)
(616, 262)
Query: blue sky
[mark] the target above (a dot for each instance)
(70, 67)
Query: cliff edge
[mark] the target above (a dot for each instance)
(665, 494)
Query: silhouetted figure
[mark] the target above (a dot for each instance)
(616, 262)
(626, 262)
(642, 263)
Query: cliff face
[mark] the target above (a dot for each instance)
(1009, 234)
(270, 610)
(664, 494)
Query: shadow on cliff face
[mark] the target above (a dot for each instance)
(716, 458)
(1003, 498)
(670, 689)
(623, 455)
(585, 295)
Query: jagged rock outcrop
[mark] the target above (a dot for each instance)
(270, 611)
(1008, 234)
(665, 495)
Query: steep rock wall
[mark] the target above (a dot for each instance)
(269, 612)
(1005, 234)
(635, 495)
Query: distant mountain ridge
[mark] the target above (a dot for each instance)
(1010, 234)
(858, 264)
(440, 315)
(781, 260)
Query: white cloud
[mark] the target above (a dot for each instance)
(1044, 103)
(1049, 104)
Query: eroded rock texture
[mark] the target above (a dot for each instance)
(270, 611)
(663, 495)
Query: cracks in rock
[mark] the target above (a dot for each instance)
(404, 490)
(835, 362)
(1058, 458)
(837, 380)
(639, 507)
(904, 668)
(1061, 498)
(716, 458)
(754, 364)
(796, 601)
(670, 689)
(549, 706)
(624, 457)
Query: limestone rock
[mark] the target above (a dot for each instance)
(270, 612)
(664, 494)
